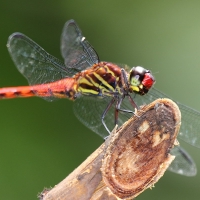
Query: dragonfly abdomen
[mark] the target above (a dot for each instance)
(13, 92)
(64, 88)
(60, 89)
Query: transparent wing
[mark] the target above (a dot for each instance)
(39, 67)
(76, 50)
(183, 163)
(89, 109)
(34, 62)
(190, 118)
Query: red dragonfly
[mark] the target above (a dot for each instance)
(101, 90)
(82, 73)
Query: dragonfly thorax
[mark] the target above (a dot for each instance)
(102, 79)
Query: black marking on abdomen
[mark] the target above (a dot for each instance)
(17, 93)
(2, 95)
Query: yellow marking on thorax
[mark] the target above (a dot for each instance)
(104, 82)
(93, 82)
(113, 74)
(87, 91)
(110, 71)
(85, 81)
(104, 87)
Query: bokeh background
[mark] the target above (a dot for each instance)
(42, 142)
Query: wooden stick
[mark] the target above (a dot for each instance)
(131, 160)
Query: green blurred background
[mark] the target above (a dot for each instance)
(42, 142)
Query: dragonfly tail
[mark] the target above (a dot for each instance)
(64, 88)
(13, 92)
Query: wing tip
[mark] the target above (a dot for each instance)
(13, 36)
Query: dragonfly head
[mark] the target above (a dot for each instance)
(141, 80)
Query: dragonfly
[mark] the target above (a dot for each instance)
(104, 93)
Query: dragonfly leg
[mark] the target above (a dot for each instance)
(118, 105)
(105, 112)
(132, 102)
(117, 109)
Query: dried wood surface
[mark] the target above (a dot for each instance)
(131, 160)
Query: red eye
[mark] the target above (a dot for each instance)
(148, 80)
